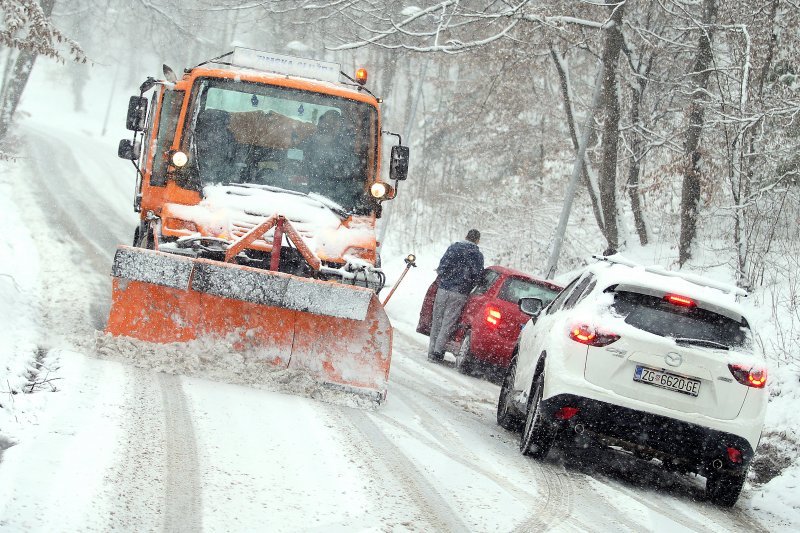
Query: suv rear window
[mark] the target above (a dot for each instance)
(657, 316)
(514, 288)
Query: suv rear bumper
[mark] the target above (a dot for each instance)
(694, 447)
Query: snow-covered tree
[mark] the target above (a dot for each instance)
(26, 27)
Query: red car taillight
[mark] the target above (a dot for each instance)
(493, 316)
(751, 376)
(591, 337)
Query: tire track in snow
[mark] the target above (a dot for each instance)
(434, 508)
(552, 510)
(560, 488)
(135, 480)
(729, 519)
(56, 179)
(182, 490)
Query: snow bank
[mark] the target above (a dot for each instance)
(22, 362)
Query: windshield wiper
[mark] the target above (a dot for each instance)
(266, 188)
(701, 342)
(316, 197)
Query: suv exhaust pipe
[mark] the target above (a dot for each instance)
(717, 464)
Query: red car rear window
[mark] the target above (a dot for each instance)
(488, 279)
(514, 288)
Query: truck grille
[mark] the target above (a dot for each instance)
(239, 228)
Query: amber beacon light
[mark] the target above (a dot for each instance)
(361, 76)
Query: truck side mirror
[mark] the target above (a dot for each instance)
(137, 113)
(398, 166)
(129, 149)
(531, 306)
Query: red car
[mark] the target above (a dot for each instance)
(491, 320)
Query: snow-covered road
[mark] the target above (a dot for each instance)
(128, 448)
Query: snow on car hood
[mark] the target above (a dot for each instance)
(231, 211)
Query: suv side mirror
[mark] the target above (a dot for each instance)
(531, 306)
(137, 113)
(398, 166)
(129, 149)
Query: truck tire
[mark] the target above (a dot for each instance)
(143, 241)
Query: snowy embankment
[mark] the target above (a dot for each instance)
(22, 360)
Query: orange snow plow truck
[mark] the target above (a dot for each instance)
(258, 184)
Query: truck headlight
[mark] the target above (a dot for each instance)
(381, 191)
(179, 159)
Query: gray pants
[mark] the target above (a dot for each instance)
(446, 310)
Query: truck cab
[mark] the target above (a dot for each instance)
(237, 140)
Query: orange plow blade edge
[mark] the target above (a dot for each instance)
(338, 333)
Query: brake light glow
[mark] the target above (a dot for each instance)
(735, 455)
(751, 376)
(681, 301)
(493, 316)
(565, 413)
(591, 337)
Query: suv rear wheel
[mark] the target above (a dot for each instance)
(505, 417)
(538, 435)
(723, 489)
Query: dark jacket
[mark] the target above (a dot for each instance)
(461, 267)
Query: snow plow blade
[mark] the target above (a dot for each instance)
(338, 333)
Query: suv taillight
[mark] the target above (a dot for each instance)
(751, 376)
(591, 336)
(493, 316)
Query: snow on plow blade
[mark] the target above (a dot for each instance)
(338, 333)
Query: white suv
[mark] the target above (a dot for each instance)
(660, 364)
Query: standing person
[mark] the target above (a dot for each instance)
(459, 271)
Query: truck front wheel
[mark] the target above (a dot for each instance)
(145, 241)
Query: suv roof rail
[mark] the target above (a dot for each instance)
(693, 278)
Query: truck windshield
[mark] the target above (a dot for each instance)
(252, 133)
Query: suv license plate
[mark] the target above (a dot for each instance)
(668, 381)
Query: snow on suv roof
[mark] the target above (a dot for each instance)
(710, 294)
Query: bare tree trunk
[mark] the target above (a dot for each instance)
(20, 73)
(636, 159)
(565, 93)
(9, 63)
(690, 195)
(747, 269)
(608, 164)
(540, 160)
